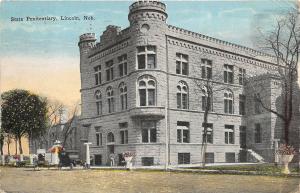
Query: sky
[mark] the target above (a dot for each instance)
(43, 56)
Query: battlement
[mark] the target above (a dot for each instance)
(140, 5)
(219, 42)
(87, 37)
(137, 10)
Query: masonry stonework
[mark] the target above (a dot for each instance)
(149, 31)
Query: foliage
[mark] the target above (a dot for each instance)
(285, 149)
(23, 114)
(128, 154)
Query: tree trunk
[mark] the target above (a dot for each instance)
(205, 118)
(8, 148)
(20, 145)
(1, 146)
(16, 148)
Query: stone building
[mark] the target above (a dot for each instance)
(139, 93)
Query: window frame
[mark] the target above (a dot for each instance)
(146, 53)
(229, 129)
(228, 102)
(99, 140)
(123, 132)
(149, 131)
(182, 91)
(210, 131)
(109, 70)
(242, 104)
(98, 97)
(183, 126)
(123, 96)
(206, 66)
(242, 76)
(180, 60)
(182, 158)
(146, 88)
(122, 65)
(97, 75)
(110, 99)
(228, 73)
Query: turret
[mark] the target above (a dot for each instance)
(86, 41)
(153, 10)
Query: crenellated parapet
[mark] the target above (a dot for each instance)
(147, 10)
(86, 41)
(214, 42)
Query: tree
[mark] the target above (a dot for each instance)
(207, 85)
(283, 42)
(68, 127)
(23, 114)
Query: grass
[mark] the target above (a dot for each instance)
(260, 168)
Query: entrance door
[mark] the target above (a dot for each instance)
(121, 160)
(98, 160)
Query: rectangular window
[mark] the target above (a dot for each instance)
(99, 107)
(122, 60)
(209, 158)
(182, 64)
(257, 133)
(151, 97)
(111, 105)
(99, 139)
(147, 161)
(124, 136)
(242, 76)
(206, 69)
(146, 57)
(184, 158)
(142, 93)
(228, 73)
(209, 133)
(183, 133)
(97, 74)
(230, 157)
(242, 105)
(229, 134)
(109, 70)
(149, 134)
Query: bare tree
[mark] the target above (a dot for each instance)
(207, 85)
(283, 42)
(54, 114)
(68, 126)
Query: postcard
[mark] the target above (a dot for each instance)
(150, 96)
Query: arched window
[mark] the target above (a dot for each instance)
(110, 138)
(110, 99)
(228, 102)
(98, 97)
(123, 95)
(182, 95)
(207, 99)
(146, 90)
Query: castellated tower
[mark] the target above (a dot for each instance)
(86, 42)
(148, 20)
